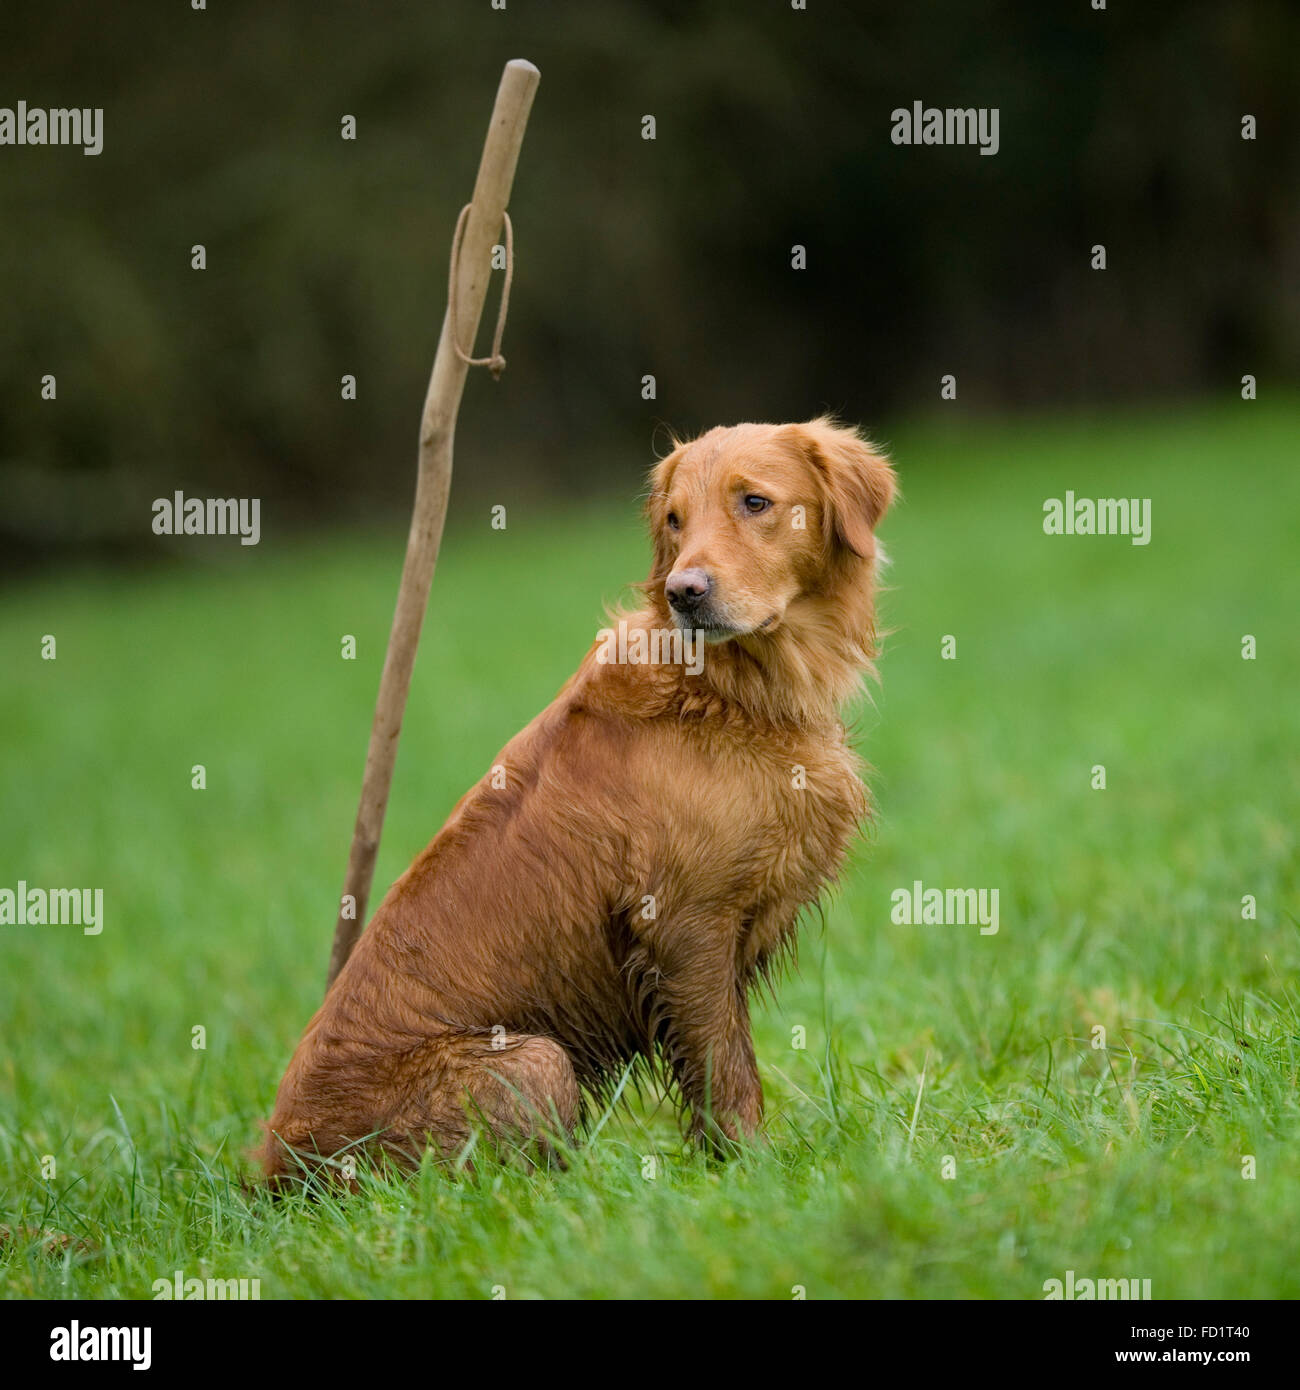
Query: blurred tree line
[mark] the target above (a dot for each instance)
(669, 257)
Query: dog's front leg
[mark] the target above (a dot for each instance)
(704, 1032)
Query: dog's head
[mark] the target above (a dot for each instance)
(757, 527)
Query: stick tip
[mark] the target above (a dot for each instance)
(523, 65)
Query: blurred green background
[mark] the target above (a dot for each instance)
(669, 258)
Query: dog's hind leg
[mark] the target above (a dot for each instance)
(520, 1088)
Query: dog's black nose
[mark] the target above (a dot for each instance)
(687, 589)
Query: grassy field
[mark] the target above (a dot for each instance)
(950, 1128)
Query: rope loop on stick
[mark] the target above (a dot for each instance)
(494, 362)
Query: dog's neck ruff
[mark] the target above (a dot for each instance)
(794, 678)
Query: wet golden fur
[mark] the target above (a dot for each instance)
(648, 855)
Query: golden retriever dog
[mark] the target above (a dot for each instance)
(638, 857)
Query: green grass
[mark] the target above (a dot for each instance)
(1119, 908)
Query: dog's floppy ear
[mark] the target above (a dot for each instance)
(857, 482)
(656, 510)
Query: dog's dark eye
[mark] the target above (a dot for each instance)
(755, 504)
(673, 523)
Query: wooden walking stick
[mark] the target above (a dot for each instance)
(469, 272)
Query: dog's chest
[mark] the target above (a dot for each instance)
(783, 815)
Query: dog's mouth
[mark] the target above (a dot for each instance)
(713, 630)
